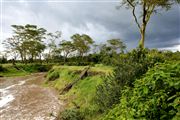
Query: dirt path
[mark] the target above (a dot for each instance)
(23, 98)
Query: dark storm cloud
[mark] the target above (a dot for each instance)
(101, 20)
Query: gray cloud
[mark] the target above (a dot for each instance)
(101, 20)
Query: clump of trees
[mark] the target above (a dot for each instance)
(28, 44)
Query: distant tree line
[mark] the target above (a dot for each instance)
(27, 45)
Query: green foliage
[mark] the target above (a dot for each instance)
(77, 63)
(2, 69)
(53, 75)
(82, 43)
(116, 45)
(130, 67)
(10, 70)
(71, 114)
(26, 41)
(66, 47)
(3, 59)
(35, 67)
(155, 96)
(175, 56)
(81, 94)
(22, 69)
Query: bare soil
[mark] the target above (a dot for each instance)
(28, 99)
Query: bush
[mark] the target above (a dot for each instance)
(2, 69)
(78, 63)
(35, 67)
(130, 67)
(53, 75)
(154, 97)
(72, 114)
(108, 93)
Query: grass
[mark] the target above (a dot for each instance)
(7, 70)
(82, 93)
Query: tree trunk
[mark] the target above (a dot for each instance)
(143, 32)
(22, 58)
(143, 27)
(65, 59)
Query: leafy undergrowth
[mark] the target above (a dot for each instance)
(80, 98)
(156, 96)
(7, 70)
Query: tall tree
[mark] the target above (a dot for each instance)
(117, 46)
(26, 40)
(147, 8)
(52, 47)
(13, 44)
(82, 43)
(66, 47)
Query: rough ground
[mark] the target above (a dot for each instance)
(24, 98)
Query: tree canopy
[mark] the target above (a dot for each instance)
(27, 41)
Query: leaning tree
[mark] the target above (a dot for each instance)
(145, 9)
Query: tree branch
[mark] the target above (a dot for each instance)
(134, 15)
(149, 13)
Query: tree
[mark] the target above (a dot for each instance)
(13, 44)
(82, 43)
(27, 41)
(66, 47)
(147, 8)
(109, 52)
(52, 47)
(116, 45)
(34, 49)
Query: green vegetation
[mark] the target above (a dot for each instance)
(21, 69)
(120, 84)
(80, 98)
(136, 63)
(102, 93)
(153, 97)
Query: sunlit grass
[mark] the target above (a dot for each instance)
(83, 91)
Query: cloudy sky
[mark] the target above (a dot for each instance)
(98, 18)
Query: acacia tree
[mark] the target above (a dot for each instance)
(147, 8)
(66, 47)
(82, 43)
(13, 44)
(116, 45)
(110, 50)
(52, 47)
(27, 40)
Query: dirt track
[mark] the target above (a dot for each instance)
(23, 98)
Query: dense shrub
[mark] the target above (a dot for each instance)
(130, 67)
(3, 60)
(53, 75)
(71, 114)
(79, 63)
(154, 97)
(35, 67)
(2, 69)
(172, 55)
(108, 93)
